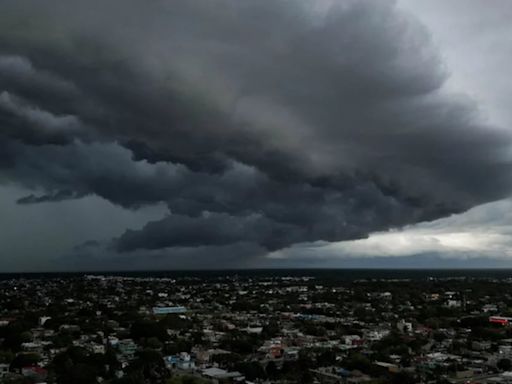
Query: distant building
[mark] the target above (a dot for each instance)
(36, 373)
(490, 308)
(182, 361)
(4, 370)
(97, 348)
(500, 320)
(168, 310)
(221, 375)
(404, 326)
(127, 348)
(43, 319)
(453, 303)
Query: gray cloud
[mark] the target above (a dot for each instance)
(479, 234)
(59, 195)
(210, 229)
(34, 125)
(272, 123)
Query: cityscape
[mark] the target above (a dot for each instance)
(255, 328)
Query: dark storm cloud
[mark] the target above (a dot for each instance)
(261, 122)
(33, 125)
(56, 196)
(210, 229)
(232, 256)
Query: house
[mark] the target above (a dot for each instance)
(4, 370)
(182, 361)
(127, 348)
(218, 375)
(36, 373)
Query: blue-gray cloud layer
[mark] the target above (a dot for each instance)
(261, 122)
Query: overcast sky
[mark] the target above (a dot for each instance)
(243, 134)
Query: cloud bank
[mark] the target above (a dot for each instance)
(476, 237)
(256, 122)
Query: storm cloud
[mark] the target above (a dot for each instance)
(265, 122)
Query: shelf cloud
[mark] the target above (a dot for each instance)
(268, 123)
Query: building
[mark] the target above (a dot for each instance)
(168, 310)
(182, 361)
(127, 348)
(218, 375)
(4, 370)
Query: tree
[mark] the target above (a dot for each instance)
(173, 321)
(251, 370)
(14, 334)
(270, 330)
(187, 379)
(504, 365)
(76, 365)
(306, 377)
(6, 357)
(359, 362)
(150, 364)
(79, 374)
(403, 378)
(154, 343)
(24, 360)
(271, 369)
(16, 380)
(326, 358)
(239, 343)
(146, 329)
(177, 346)
(134, 378)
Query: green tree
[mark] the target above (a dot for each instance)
(504, 364)
(24, 360)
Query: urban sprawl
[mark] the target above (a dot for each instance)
(254, 329)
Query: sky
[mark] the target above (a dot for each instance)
(255, 134)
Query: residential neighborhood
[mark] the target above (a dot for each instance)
(254, 329)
